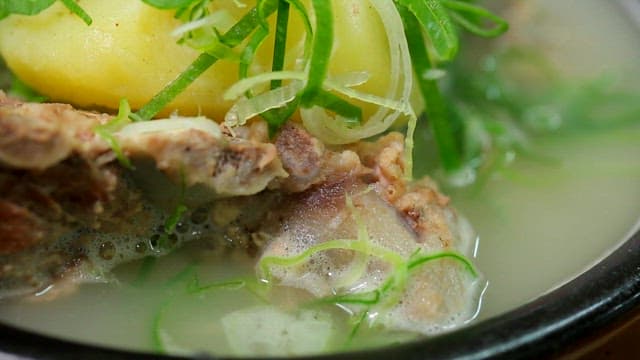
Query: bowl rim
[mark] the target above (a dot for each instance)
(547, 325)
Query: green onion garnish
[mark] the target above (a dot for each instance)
(280, 43)
(437, 113)
(471, 17)
(435, 20)
(34, 7)
(73, 6)
(106, 132)
(240, 31)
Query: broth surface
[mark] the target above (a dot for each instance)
(539, 225)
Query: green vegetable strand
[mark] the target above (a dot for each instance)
(106, 132)
(157, 338)
(419, 259)
(471, 16)
(364, 298)
(391, 291)
(304, 15)
(168, 4)
(189, 271)
(356, 327)
(194, 286)
(22, 7)
(73, 6)
(34, 7)
(21, 90)
(321, 52)
(313, 94)
(164, 243)
(174, 219)
(280, 43)
(437, 24)
(146, 267)
(276, 117)
(173, 89)
(267, 262)
(409, 145)
(240, 31)
(442, 123)
(351, 114)
(249, 53)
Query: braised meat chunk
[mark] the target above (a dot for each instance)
(70, 210)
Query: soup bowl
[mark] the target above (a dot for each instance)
(565, 318)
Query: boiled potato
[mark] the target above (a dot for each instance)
(128, 52)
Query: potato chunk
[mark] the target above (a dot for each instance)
(128, 52)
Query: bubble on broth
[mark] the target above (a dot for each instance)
(108, 250)
(88, 255)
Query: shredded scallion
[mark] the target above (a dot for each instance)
(106, 132)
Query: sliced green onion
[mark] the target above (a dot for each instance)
(187, 272)
(280, 42)
(158, 335)
(73, 6)
(339, 83)
(22, 7)
(390, 104)
(168, 4)
(437, 24)
(24, 91)
(348, 79)
(240, 31)
(321, 52)
(336, 130)
(249, 53)
(106, 132)
(34, 7)
(302, 11)
(214, 47)
(174, 219)
(146, 267)
(248, 108)
(218, 19)
(475, 15)
(359, 264)
(236, 90)
(408, 147)
(262, 6)
(173, 89)
(351, 114)
(194, 286)
(363, 298)
(419, 259)
(356, 327)
(267, 262)
(437, 114)
(161, 340)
